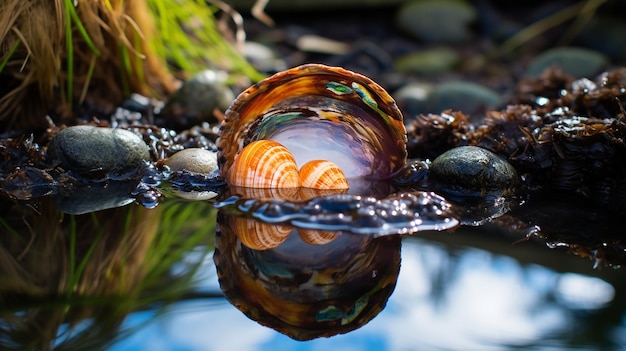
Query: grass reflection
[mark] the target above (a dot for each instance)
(67, 282)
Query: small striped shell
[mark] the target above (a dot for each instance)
(317, 237)
(264, 164)
(257, 235)
(322, 174)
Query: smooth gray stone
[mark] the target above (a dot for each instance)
(437, 21)
(467, 97)
(194, 160)
(473, 171)
(578, 62)
(90, 149)
(199, 96)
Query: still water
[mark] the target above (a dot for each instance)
(446, 298)
(132, 278)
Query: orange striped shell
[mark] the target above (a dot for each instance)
(317, 237)
(264, 164)
(258, 235)
(322, 174)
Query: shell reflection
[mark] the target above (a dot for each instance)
(317, 237)
(316, 110)
(307, 290)
(258, 235)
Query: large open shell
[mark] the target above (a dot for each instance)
(319, 111)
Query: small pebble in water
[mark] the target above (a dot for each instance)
(194, 160)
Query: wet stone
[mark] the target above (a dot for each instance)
(193, 160)
(468, 97)
(428, 62)
(91, 150)
(437, 21)
(470, 171)
(577, 62)
(197, 99)
(411, 98)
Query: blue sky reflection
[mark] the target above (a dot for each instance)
(468, 299)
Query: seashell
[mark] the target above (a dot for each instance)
(315, 110)
(317, 237)
(264, 164)
(257, 235)
(322, 174)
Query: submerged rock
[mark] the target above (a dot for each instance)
(94, 151)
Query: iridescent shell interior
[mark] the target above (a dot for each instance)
(318, 111)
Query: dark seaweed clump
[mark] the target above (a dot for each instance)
(562, 135)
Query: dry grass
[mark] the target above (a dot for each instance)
(109, 56)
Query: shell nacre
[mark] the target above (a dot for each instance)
(316, 110)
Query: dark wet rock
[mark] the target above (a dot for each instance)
(428, 62)
(578, 62)
(469, 97)
(193, 160)
(197, 99)
(437, 21)
(473, 172)
(92, 151)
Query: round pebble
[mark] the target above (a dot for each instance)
(467, 97)
(92, 150)
(193, 160)
(578, 62)
(428, 62)
(437, 21)
(473, 171)
(198, 97)
(412, 97)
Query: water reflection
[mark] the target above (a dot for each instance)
(305, 284)
(69, 281)
(101, 280)
(447, 297)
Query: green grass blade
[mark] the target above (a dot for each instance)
(69, 43)
(79, 25)
(9, 55)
